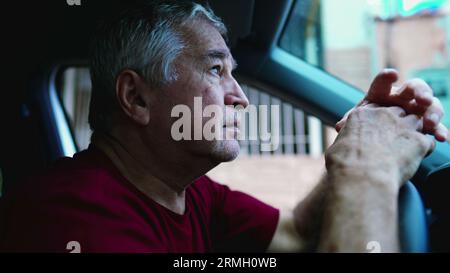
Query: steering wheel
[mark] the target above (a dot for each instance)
(413, 226)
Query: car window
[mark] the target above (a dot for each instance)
(271, 175)
(354, 39)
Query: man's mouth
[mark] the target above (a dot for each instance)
(234, 125)
(232, 128)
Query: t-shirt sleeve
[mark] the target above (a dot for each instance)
(240, 222)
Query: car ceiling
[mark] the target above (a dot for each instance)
(48, 31)
(40, 33)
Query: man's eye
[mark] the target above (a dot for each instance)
(217, 69)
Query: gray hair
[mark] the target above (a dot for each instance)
(147, 39)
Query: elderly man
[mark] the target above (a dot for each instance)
(136, 189)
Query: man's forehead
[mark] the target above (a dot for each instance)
(207, 43)
(219, 53)
(202, 32)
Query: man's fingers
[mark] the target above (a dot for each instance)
(431, 145)
(415, 89)
(415, 97)
(432, 117)
(402, 94)
(341, 123)
(441, 133)
(413, 108)
(423, 94)
(398, 111)
(381, 86)
(414, 121)
(427, 141)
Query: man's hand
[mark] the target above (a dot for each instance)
(380, 140)
(376, 151)
(415, 97)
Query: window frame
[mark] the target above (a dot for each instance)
(295, 77)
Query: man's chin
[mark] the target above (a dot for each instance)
(226, 150)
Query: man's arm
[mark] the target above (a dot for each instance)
(376, 151)
(300, 230)
(297, 229)
(360, 208)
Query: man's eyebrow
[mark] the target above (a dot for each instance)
(222, 55)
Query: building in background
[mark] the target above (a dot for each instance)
(413, 36)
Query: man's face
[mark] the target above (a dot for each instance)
(203, 71)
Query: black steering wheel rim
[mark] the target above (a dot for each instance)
(413, 224)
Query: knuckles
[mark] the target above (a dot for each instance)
(364, 114)
(424, 144)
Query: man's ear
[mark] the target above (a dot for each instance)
(133, 95)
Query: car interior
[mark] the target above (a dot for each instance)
(282, 56)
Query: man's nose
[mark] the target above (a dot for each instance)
(235, 96)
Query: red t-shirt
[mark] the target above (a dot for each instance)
(85, 199)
